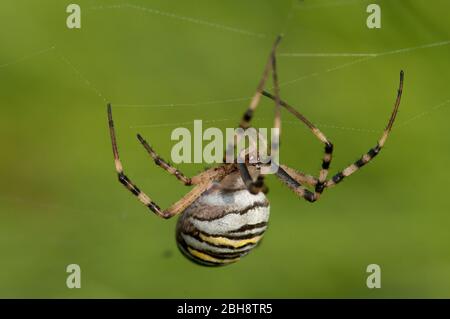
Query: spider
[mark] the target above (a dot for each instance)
(226, 214)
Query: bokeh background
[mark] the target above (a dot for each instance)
(165, 63)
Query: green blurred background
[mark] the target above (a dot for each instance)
(60, 202)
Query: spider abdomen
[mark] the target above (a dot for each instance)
(222, 226)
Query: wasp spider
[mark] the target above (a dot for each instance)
(225, 215)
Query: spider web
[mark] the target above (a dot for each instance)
(295, 5)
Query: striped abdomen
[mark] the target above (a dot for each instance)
(222, 226)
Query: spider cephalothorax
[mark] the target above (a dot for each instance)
(226, 213)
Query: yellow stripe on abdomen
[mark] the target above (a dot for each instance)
(206, 257)
(229, 242)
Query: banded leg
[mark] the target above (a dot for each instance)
(163, 164)
(188, 181)
(293, 180)
(366, 158)
(327, 157)
(253, 187)
(257, 186)
(248, 115)
(299, 177)
(218, 173)
(295, 185)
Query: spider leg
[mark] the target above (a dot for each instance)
(207, 175)
(163, 164)
(327, 157)
(294, 179)
(295, 185)
(257, 186)
(248, 115)
(366, 158)
(300, 177)
(203, 181)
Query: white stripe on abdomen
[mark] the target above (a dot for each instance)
(233, 221)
